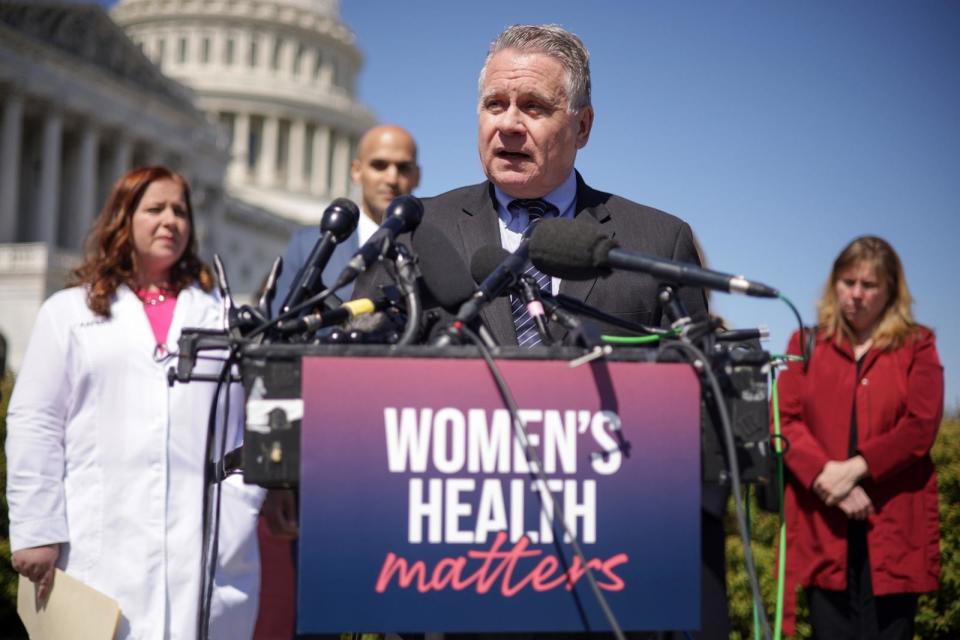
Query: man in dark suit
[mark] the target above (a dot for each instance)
(385, 167)
(534, 115)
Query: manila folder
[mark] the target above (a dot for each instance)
(73, 610)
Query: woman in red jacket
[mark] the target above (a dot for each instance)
(863, 529)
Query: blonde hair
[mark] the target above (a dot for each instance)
(896, 322)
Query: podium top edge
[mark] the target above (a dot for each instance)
(299, 351)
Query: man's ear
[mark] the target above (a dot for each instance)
(355, 168)
(416, 178)
(584, 125)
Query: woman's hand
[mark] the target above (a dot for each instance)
(37, 564)
(857, 505)
(838, 479)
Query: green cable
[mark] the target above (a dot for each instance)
(756, 611)
(781, 565)
(778, 446)
(630, 339)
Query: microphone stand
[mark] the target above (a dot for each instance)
(406, 263)
(533, 299)
(700, 361)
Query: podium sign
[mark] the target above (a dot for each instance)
(419, 512)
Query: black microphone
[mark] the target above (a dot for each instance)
(486, 260)
(442, 270)
(761, 334)
(265, 303)
(313, 322)
(575, 250)
(337, 223)
(504, 275)
(403, 214)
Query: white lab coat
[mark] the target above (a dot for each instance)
(106, 458)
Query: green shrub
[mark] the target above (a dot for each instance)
(938, 617)
(9, 621)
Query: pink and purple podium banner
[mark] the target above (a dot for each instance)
(419, 511)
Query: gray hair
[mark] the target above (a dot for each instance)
(556, 42)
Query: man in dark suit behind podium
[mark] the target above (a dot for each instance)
(534, 115)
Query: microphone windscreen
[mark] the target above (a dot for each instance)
(568, 249)
(443, 271)
(407, 208)
(485, 260)
(340, 218)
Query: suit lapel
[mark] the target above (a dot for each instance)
(589, 209)
(478, 227)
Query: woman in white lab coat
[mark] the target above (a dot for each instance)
(104, 458)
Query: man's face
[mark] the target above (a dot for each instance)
(385, 167)
(528, 139)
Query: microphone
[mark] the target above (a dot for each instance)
(270, 288)
(760, 333)
(403, 214)
(313, 322)
(574, 250)
(504, 275)
(486, 260)
(337, 223)
(444, 274)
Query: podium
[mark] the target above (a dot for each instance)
(419, 510)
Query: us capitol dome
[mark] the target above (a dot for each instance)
(279, 76)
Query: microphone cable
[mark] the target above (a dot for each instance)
(210, 527)
(698, 357)
(536, 466)
(292, 312)
(806, 346)
(406, 279)
(779, 452)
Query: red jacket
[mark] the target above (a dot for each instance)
(899, 397)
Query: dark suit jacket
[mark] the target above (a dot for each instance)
(468, 218)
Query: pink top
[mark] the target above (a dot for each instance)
(159, 306)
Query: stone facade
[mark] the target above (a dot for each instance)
(253, 101)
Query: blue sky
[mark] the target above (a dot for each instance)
(778, 130)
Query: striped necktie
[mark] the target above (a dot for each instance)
(527, 334)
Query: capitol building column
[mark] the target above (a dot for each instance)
(239, 150)
(10, 140)
(48, 192)
(341, 163)
(295, 168)
(121, 157)
(83, 205)
(267, 162)
(319, 181)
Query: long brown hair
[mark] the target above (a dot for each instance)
(110, 258)
(896, 323)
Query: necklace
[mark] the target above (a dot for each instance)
(154, 297)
